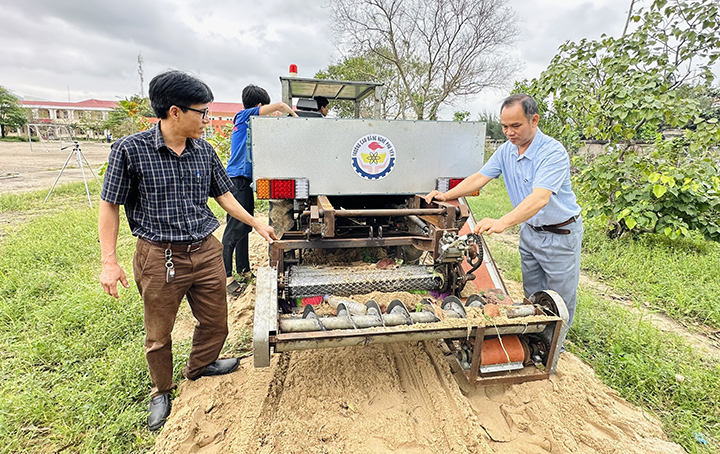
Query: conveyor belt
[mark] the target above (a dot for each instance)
(304, 281)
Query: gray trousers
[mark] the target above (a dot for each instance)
(552, 262)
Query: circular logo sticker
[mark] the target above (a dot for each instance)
(373, 157)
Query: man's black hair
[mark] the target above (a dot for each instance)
(252, 95)
(322, 101)
(530, 107)
(177, 88)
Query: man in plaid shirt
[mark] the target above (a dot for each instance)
(164, 177)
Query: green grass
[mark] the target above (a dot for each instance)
(62, 196)
(17, 139)
(493, 201)
(73, 376)
(680, 277)
(641, 362)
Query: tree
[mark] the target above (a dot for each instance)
(493, 128)
(12, 113)
(461, 115)
(438, 50)
(626, 90)
(367, 67)
(130, 116)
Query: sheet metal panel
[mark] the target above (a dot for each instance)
(328, 152)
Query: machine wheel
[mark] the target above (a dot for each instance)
(556, 306)
(280, 216)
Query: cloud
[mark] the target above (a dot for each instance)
(545, 25)
(90, 48)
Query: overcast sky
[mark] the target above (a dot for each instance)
(61, 50)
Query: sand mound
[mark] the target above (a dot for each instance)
(398, 398)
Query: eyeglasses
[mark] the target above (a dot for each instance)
(204, 112)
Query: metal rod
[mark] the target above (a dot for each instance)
(328, 243)
(352, 338)
(383, 212)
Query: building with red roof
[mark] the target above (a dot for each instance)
(66, 113)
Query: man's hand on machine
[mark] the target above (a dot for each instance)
(489, 225)
(435, 194)
(266, 232)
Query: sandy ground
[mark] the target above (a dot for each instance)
(24, 170)
(395, 398)
(400, 398)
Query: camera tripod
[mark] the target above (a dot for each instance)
(80, 157)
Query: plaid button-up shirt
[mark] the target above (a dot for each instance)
(165, 195)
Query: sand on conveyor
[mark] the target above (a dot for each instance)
(396, 398)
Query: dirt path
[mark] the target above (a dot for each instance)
(25, 170)
(405, 398)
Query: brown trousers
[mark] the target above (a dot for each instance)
(200, 276)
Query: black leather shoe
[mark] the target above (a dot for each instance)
(159, 411)
(220, 367)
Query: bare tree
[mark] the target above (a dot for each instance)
(440, 49)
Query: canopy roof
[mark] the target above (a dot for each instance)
(331, 89)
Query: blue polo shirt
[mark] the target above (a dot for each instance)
(240, 162)
(545, 164)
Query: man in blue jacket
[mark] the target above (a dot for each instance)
(256, 101)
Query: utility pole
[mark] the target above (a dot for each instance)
(140, 71)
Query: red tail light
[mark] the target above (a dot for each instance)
(445, 184)
(286, 188)
(282, 189)
(454, 182)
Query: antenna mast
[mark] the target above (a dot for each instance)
(140, 71)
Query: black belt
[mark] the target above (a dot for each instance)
(179, 246)
(555, 228)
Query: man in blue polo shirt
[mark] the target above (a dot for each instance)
(536, 170)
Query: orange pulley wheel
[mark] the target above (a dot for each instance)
(492, 351)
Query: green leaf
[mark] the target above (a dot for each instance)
(630, 222)
(659, 190)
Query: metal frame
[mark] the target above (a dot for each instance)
(47, 126)
(441, 217)
(297, 87)
(285, 342)
(526, 374)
